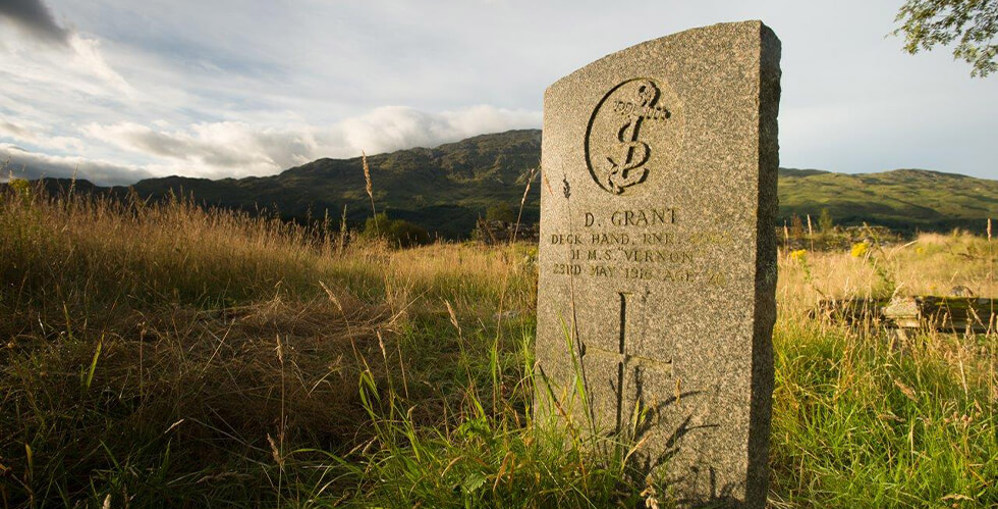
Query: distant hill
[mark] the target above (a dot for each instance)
(445, 189)
(903, 200)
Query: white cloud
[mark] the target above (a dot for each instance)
(38, 137)
(487, 119)
(217, 149)
(21, 163)
(88, 58)
(395, 127)
(60, 58)
(12, 129)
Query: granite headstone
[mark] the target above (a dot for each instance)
(656, 297)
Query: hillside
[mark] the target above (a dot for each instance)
(903, 200)
(445, 189)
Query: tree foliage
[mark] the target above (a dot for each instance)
(972, 24)
(825, 221)
(397, 232)
(500, 211)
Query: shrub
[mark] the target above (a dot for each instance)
(396, 232)
(825, 221)
(500, 212)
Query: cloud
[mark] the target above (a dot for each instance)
(90, 57)
(34, 17)
(30, 135)
(223, 149)
(395, 127)
(21, 163)
(46, 64)
(12, 129)
(212, 149)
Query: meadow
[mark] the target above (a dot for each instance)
(160, 354)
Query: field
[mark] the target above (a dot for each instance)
(163, 355)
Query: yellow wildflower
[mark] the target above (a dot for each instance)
(859, 249)
(21, 187)
(798, 255)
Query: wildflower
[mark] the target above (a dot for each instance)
(21, 188)
(859, 249)
(798, 255)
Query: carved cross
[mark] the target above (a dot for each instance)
(626, 359)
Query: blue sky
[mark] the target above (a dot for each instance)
(118, 90)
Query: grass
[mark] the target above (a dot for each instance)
(864, 418)
(161, 354)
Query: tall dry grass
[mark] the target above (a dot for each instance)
(159, 346)
(160, 354)
(153, 347)
(930, 264)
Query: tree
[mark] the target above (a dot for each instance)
(825, 221)
(378, 226)
(500, 211)
(973, 23)
(397, 232)
(407, 234)
(796, 227)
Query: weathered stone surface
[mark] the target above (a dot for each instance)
(658, 255)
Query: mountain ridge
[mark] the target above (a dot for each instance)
(446, 188)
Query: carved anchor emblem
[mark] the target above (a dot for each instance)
(624, 162)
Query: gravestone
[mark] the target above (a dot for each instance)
(656, 297)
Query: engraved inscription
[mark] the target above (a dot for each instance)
(619, 152)
(639, 244)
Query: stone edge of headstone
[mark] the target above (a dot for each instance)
(763, 376)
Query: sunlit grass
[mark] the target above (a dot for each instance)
(161, 354)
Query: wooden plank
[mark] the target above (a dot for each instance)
(949, 314)
(850, 310)
(958, 314)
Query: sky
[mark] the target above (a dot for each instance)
(115, 91)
